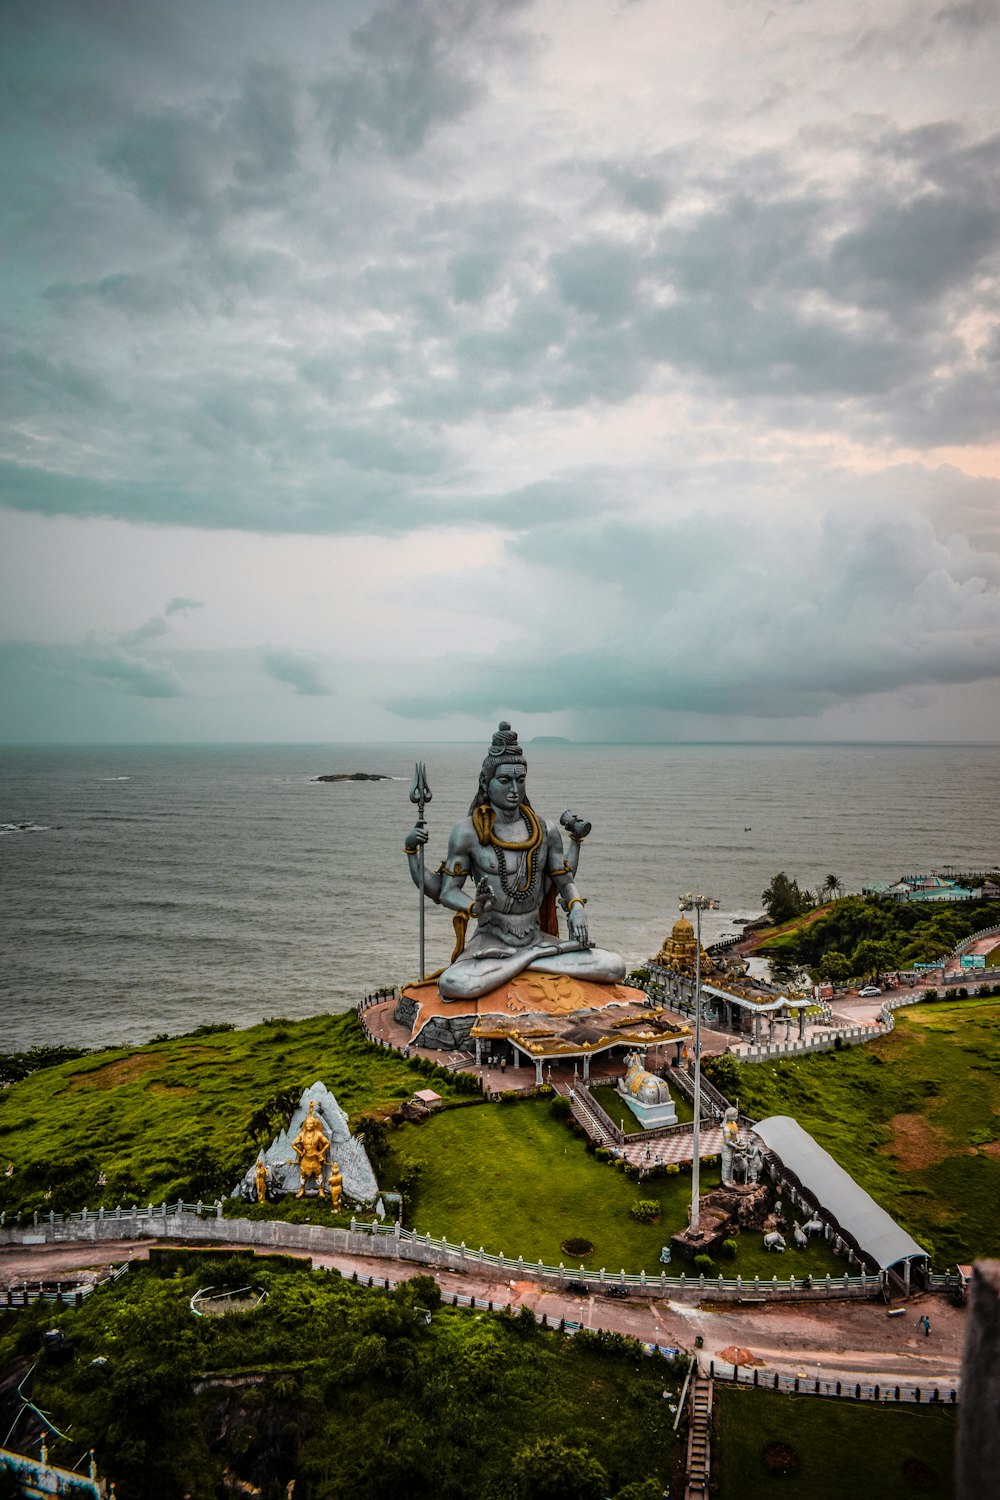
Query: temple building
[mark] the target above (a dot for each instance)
(731, 999)
(679, 950)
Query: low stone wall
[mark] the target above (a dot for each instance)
(386, 1243)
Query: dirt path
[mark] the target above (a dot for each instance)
(853, 1341)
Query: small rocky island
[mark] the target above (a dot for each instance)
(353, 776)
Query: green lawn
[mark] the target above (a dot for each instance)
(515, 1180)
(914, 1117)
(842, 1448)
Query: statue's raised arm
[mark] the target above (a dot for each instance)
(505, 870)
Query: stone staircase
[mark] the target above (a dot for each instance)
(699, 1440)
(587, 1115)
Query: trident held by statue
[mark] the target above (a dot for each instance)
(420, 793)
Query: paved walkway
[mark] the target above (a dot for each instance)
(832, 1340)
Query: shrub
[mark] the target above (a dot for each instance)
(729, 1249)
(672, 1169)
(602, 1153)
(549, 1468)
(645, 1210)
(704, 1264)
(419, 1291)
(561, 1108)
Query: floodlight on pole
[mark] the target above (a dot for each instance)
(697, 904)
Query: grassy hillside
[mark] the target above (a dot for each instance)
(171, 1119)
(914, 1117)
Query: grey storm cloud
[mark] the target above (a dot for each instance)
(152, 630)
(728, 613)
(120, 663)
(295, 669)
(273, 296)
(91, 663)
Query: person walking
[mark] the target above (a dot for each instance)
(924, 1322)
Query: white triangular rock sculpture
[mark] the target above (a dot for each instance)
(345, 1150)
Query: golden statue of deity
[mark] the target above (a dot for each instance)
(260, 1177)
(310, 1147)
(335, 1186)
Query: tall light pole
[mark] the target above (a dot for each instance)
(697, 904)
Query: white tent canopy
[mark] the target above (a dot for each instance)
(858, 1215)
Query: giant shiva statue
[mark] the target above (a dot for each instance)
(519, 868)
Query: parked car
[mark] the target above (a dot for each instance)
(580, 1287)
(616, 1291)
(869, 990)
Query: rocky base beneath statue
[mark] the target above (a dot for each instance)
(443, 1033)
(724, 1213)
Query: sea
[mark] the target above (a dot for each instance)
(152, 889)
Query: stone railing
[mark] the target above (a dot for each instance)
(390, 1242)
(848, 1036)
(66, 1293)
(972, 939)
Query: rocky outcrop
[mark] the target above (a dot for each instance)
(353, 776)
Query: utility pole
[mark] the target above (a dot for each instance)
(697, 904)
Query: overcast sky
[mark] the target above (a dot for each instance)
(373, 371)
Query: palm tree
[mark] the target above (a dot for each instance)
(832, 886)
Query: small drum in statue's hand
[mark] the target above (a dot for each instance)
(574, 826)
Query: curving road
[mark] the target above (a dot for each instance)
(832, 1340)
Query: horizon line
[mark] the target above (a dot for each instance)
(555, 742)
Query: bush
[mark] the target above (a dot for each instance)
(704, 1264)
(729, 1249)
(549, 1470)
(561, 1108)
(645, 1210)
(672, 1169)
(420, 1291)
(602, 1153)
